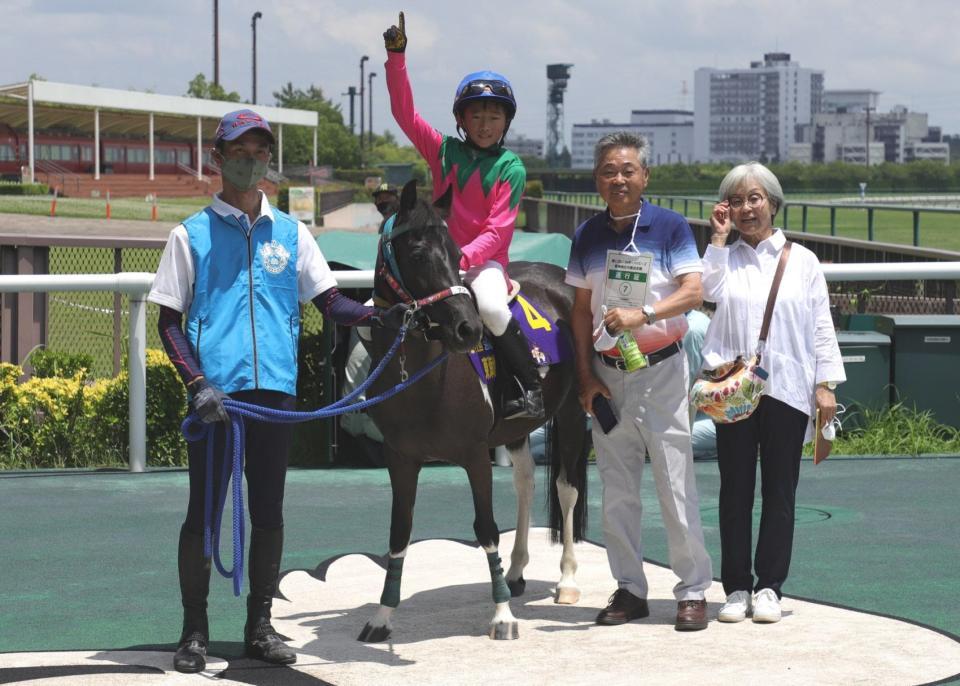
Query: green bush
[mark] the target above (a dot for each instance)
(52, 363)
(534, 188)
(67, 422)
(13, 188)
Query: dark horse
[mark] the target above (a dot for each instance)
(448, 415)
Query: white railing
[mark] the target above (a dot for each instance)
(137, 284)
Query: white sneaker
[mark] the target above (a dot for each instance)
(736, 608)
(766, 606)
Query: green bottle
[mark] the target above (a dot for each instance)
(633, 359)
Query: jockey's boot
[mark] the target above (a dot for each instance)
(516, 351)
(260, 639)
(194, 569)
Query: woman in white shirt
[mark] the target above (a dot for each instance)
(803, 359)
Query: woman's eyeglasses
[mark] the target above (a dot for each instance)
(753, 201)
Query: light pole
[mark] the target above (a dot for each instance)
(352, 92)
(362, 60)
(869, 110)
(370, 109)
(216, 42)
(253, 25)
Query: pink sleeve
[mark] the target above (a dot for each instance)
(497, 231)
(424, 137)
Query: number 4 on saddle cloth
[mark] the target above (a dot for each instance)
(548, 346)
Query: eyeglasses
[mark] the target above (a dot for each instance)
(753, 201)
(493, 87)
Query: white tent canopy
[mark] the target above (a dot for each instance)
(50, 103)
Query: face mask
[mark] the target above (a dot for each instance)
(244, 172)
(382, 207)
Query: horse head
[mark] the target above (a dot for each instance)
(419, 262)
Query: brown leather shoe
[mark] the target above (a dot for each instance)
(623, 607)
(691, 615)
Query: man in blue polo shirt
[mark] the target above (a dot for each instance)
(636, 271)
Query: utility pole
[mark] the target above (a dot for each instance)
(370, 109)
(253, 25)
(216, 42)
(352, 92)
(868, 111)
(362, 60)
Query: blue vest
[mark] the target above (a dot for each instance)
(244, 321)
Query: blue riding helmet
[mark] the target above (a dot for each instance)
(485, 84)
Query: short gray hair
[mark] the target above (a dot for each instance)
(739, 175)
(621, 139)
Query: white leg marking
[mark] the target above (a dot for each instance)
(568, 592)
(523, 484)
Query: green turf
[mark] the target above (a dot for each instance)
(169, 210)
(89, 560)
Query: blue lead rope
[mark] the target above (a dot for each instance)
(194, 429)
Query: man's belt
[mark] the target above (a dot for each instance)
(652, 358)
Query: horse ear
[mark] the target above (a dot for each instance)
(444, 201)
(408, 197)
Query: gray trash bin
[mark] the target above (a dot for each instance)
(926, 363)
(866, 361)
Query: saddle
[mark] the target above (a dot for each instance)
(547, 346)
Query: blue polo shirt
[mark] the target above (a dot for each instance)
(662, 233)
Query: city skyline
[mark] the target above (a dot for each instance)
(624, 58)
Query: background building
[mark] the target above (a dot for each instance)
(669, 133)
(523, 146)
(743, 114)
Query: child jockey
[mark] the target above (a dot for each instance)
(488, 182)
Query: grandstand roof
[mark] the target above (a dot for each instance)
(123, 112)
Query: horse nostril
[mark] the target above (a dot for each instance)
(466, 331)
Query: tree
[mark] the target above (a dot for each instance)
(199, 87)
(336, 146)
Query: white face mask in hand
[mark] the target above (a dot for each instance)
(829, 429)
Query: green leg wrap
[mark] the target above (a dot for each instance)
(501, 593)
(391, 586)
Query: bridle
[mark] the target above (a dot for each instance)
(390, 270)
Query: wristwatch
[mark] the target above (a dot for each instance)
(650, 314)
(829, 385)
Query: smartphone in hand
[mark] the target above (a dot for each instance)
(603, 413)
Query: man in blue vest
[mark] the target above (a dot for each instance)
(240, 269)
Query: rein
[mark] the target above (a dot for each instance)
(194, 429)
(390, 269)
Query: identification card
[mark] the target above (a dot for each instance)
(626, 279)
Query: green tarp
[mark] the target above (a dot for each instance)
(359, 250)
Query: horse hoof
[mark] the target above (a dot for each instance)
(504, 631)
(374, 634)
(517, 587)
(567, 596)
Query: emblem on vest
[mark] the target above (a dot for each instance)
(274, 257)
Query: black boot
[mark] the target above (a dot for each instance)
(191, 655)
(515, 350)
(260, 639)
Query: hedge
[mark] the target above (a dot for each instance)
(13, 188)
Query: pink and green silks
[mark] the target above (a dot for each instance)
(487, 184)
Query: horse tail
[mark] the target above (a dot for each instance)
(567, 451)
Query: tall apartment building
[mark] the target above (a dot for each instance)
(669, 133)
(744, 114)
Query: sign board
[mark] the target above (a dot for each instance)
(302, 205)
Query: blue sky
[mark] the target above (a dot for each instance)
(632, 54)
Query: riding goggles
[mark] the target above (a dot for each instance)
(493, 87)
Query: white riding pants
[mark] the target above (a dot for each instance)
(654, 420)
(489, 285)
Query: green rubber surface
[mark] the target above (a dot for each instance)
(88, 560)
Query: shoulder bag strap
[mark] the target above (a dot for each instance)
(772, 298)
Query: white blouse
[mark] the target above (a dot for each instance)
(801, 349)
